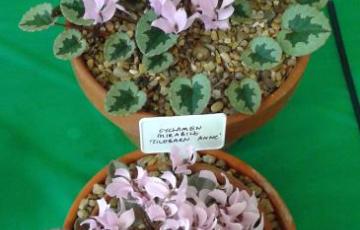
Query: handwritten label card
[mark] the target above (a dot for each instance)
(203, 132)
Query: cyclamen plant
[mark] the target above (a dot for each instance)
(175, 200)
(304, 29)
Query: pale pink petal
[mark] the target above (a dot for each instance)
(226, 3)
(108, 11)
(164, 25)
(236, 209)
(168, 11)
(126, 219)
(156, 213)
(110, 218)
(157, 188)
(208, 175)
(228, 187)
(103, 206)
(225, 13)
(156, 5)
(260, 225)
(234, 226)
(170, 178)
(92, 224)
(180, 18)
(123, 173)
(120, 189)
(201, 215)
(250, 218)
(170, 209)
(219, 195)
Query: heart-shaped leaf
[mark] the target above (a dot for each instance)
(190, 96)
(242, 10)
(38, 18)
(316, 3)
(263, 53)
(158, 63)
(118, 47)
(304, 29)
(73, 11)
(151, 40)
(201, 183)
(124, 98)
(244, 96)
(69, 44)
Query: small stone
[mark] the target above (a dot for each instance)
(209, 159)
(266, 206)
(90, 63)
(110, 27)
(209, 66)
(82, 214)
(201, 53)
(92, 203)
(214, 35)
(217, 107)
(220, 164)
(83, 203)
(98, 189)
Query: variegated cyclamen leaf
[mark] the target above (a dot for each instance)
(118, 47)
(190, 96)
(304, 29)
(316, 3)
(158, 63)
(263, 53)
(124, 98)
(69, 44)
(244, 96)
(201, 183)
(73, 11)
(38, 18)
(151, 40)
(242, 10)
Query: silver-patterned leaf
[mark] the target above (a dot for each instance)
(263, 53)
(38, 18)
(124, 98)
(158, 63)
(244, 96)
(151, 40)
(73, 11)
(118, 47)
(304, 29)
(190, 96)
(69, 44)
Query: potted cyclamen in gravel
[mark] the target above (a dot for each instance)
(180, 190)
(176, 57)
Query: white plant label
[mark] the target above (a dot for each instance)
(203, 132)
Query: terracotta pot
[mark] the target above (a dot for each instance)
(237, 125)
(280, 208)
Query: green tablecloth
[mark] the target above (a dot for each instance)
(52, 140)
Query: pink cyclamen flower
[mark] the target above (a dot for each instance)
(181, 158)
(171, 20)
(212, 15)
(109, 219)
(101, 11)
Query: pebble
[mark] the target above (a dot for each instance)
(209, 159)
(98, 189)
(82, 214)
(217, 107)
(83, 203)
(201, 53)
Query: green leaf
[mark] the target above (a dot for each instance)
(73, 11)
(316, 3)
(190, 96)
(201, 183)
(242, 10)
(244, 96)
(124, 98)
(263, 53)
(304, 30)
(38, 18)
(118, 47)
(151, 40)
(69, 44)
(158, 63)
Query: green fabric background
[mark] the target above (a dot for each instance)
(52, 140)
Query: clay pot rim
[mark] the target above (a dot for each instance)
(267, 102)
(281, 210)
